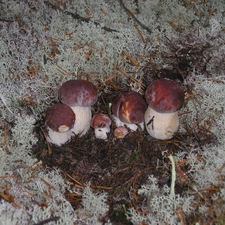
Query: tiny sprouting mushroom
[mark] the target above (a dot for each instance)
(80, 95)
(101, 123)
(60, 119)
(120, 132)
(164, 97)
(128, 109)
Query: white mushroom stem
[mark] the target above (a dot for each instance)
(83, 119)
(101, 133)
(58, 138)
(132, 126)
(161, 125)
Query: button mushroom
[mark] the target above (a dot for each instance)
(128, 109)
(101, 123)
(164, 97)
(120, 132)
(80, 95)
(60, 118)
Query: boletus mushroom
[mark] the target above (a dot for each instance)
(80, 95)
(128, 109)
(164, 97)
(60, 119)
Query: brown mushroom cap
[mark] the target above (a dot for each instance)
(60, 117)
(165, 96)
(129, 107)
(78, 93)
(100, 121)
(120, 132)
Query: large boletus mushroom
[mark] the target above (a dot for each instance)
(164, 97)
(80, 95)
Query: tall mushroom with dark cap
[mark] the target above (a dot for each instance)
(80, 95)
(128, 109)
(60, 119)
(164, 97)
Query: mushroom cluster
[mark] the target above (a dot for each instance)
(73, 116)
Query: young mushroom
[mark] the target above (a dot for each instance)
(60, 118)
(120, 132)
(128, 109)
(164, 97)
(101, 123)
(80, 95)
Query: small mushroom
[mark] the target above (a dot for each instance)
(120, 132)
(128, 109)
(164, 97)
(80, 95)
(60, 119)
(101, 123)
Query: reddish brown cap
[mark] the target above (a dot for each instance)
(60, 117)
(100, 121)
(165, 96)
(129, 107)
(78, 93)
(120, 132)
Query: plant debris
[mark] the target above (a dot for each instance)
(119, 166)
